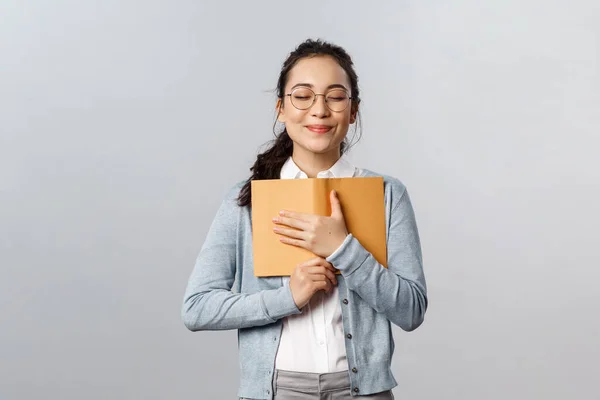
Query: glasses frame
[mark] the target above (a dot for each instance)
(350, 98)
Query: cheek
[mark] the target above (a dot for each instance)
(342, 117)
(293, 125)
(343, 121)
(295, 116)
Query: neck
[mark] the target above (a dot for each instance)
(312, 163)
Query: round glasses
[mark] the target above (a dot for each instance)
(303, 98)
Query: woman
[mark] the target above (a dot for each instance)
(313, 335)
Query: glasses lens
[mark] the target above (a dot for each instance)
(337, 100)
(302, 98)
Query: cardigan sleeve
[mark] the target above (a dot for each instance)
(399, 291)
(209, 303)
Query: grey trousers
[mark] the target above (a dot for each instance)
(289, 385)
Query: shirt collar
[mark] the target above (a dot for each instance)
(341, 169)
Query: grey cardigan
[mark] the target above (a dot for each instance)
(223, 293)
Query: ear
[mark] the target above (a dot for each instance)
(353, 113)
(280, 111)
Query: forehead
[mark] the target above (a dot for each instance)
(318, 71)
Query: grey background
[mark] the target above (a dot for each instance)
(124, 123)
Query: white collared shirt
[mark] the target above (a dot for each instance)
(313, 341)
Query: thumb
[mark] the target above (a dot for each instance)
(336, 207)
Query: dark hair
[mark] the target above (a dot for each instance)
(269, 163)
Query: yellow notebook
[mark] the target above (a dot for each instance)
(362, 204)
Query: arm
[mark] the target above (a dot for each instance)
(400, 290)
(209, 303)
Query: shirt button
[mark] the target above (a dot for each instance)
(345, 301)
(349, 336)
(354, 370)
(355, 390)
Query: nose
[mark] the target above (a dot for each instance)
(319, 108)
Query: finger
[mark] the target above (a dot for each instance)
(294, 242)
(331, 277)
(292, 222)
(322, 271)
(336, 206)
(318, 278)
(329, 266)
(317, 270)
(293, 233)
(318, 261)
(296, 215)
(312, 262)
(323, 285)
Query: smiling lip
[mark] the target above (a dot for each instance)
(319, 128)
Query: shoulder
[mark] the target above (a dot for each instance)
(228, 212)
(394, 190)
(232, 193)
(390, 183)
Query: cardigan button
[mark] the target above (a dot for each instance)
(354, 370)
(345, 301)
(355, 390)
(349, 336)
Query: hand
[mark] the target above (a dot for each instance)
(309, 277)
(317, 234)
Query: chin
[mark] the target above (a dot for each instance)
(317, 145)
(320, 148)
(320, 151)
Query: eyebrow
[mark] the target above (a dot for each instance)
(334, 86)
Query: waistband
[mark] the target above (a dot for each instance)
(311, 382)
